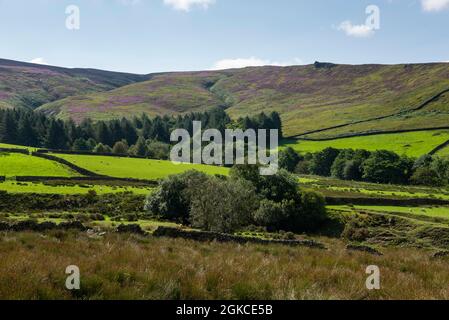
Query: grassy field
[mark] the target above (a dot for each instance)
(341, 188)
(15, 164)
(136, 168)
(128, 267)
(29, 187)
(413, 144)
(435, 212)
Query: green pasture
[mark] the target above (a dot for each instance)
(434, 212)
(412, 144)
(30, 187)
(137, 168)
(16, 164)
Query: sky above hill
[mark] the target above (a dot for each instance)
(144, 36)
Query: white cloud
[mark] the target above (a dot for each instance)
(358, 31)
(186, 5)
(435, 5)
(251, 62)
(39, 61)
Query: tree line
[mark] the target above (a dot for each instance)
(380, 166)
(140, 135)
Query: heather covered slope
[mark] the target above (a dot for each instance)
(31, 85)
(307, 97)
(171, 93)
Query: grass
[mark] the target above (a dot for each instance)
(435, 212)
(128, 267)
(15, 146)
(29, 187)
(137, 168)
(15, 164)
(412, 144)
(341, 188)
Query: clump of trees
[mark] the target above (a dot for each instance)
(378, 166)
(228, 204)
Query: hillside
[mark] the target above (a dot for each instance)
(309, 98)
(31, 85)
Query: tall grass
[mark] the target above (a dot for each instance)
(126, 267)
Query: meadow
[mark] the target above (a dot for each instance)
(434, 212)
(412, 144)
(130, 267)
(42, 188)
(16, 164)
(136, 168)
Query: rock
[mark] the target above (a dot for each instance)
(363, 248)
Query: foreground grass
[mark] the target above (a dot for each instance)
(137, 168)
(29, 187)
(128, 267)
(15, 164)
(412, 144)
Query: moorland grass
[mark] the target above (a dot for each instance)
(15, 164)
(130, 267)
(137, 168)
(412, 144)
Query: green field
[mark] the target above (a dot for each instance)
(30, 187)
(136, 168)
(15, 164)
(435, 212)
(14, 146)
(412, 144)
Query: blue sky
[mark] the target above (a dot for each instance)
(144, 36)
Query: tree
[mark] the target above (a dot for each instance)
(102, 134)
(80, 145)
(427, 177)
(101, 148)
(27, 136)
(120, 147)
(288, 159)
(8, 128)
(387, 167)
(226, 207)
(172, 198)
(140, 148)
(322, 162)
(158, 150)
(56, 138)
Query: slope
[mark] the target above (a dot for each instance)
(307, 97)
(31, 85)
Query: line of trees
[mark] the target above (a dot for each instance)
(140, 135)
(361, 165)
